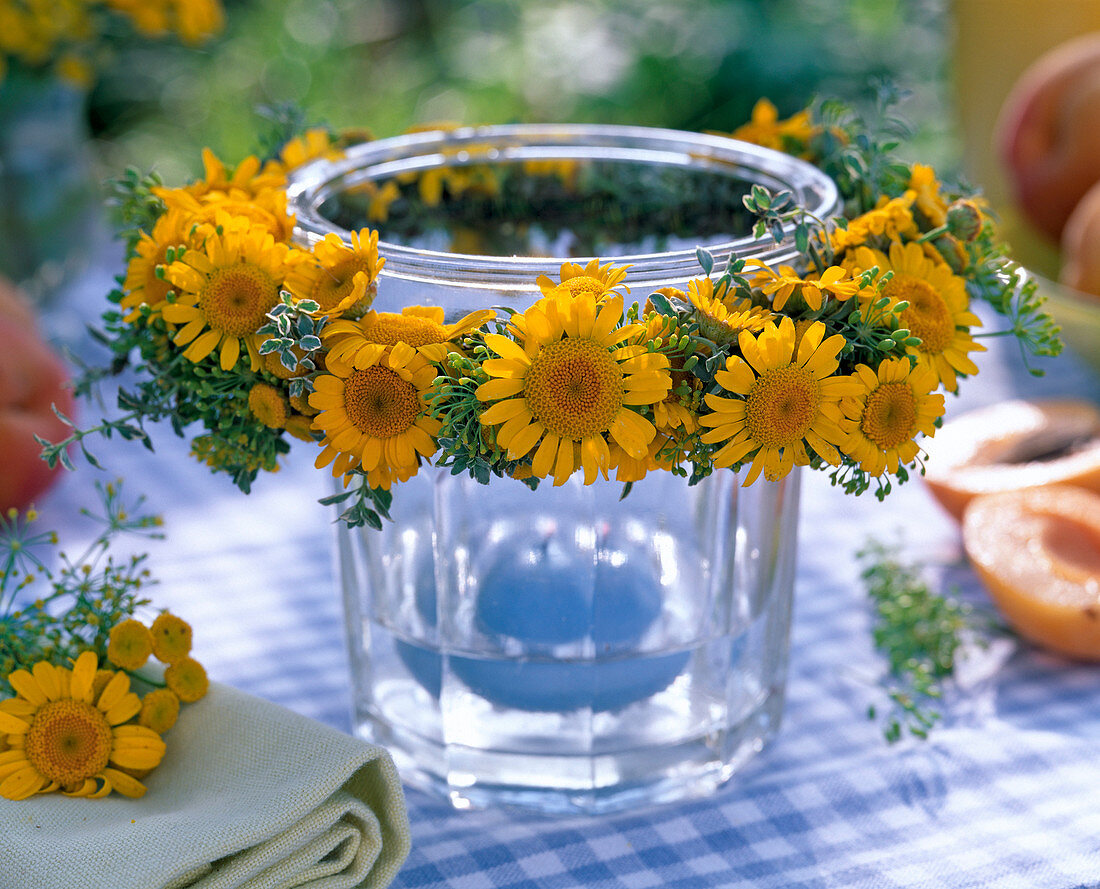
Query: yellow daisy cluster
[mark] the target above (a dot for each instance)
(837, 359)
(62, 34)
(82, 730)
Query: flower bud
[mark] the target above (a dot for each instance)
(953, 253)
(964, 220)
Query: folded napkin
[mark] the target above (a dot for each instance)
(249, 796)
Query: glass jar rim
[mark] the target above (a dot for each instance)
(314, 183)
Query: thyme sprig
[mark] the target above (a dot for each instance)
(919, 632)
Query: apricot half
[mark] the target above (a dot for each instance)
(1014, 445)
(1038, 553)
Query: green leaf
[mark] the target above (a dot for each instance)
(661, 304)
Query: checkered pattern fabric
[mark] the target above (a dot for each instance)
(1004, 795)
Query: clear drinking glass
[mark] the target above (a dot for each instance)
(567, 649)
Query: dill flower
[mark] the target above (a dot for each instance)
(337, 277)
(599, 280)
(421, 327)
(267, 405)
(721, 320)
(571, 383)
(171, 638)
(63, 737)
(129, 644)
(787, 401)
(160, 709)
(373, 415)
(186, 678)
(938, 311)
(895, 405)
(224, 291)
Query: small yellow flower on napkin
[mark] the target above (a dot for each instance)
(248, 794)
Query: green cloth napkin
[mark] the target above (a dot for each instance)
(249, 796)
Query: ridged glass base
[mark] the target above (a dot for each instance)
(568, 651)
(578, 783)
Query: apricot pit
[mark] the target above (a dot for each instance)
(1038, 553)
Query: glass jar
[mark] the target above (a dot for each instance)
(568, 649)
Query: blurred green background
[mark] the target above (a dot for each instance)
(388, 64)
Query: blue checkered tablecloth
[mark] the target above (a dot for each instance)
(1006, 794)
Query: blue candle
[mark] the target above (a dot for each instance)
(539, 597)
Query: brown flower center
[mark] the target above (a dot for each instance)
(890, 415)
(237, 298)
(379, 403)
(928, 315)
(389, 329)
(574, 387)
(69, 741)
(782, 406)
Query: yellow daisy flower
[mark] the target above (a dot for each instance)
(266, 207)
(381, 196)
(721, 320)
(600, 280)
(669, 415)
(171, 638)
(267, 405)
(337, 277)
(788, 400)
(312, 144)
(300, 426)
(186, 678)
(224, 291)
(634, 469)
(565, 169)
(129, 645)
(835, 280)
(149, 19)
(766, 129)
(63, 737)
(141, 285)
(895, 405)
(198, 20)
(938, 311)
(160, 709)
(925, 185)
(569, 384)
(421, 327)
(891, 219)
(246, 176)
(373, 415)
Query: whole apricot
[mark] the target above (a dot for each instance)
(1013, 445)
(32, 379)
(1038, 553)
(1049, 133)
(1081, 245)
